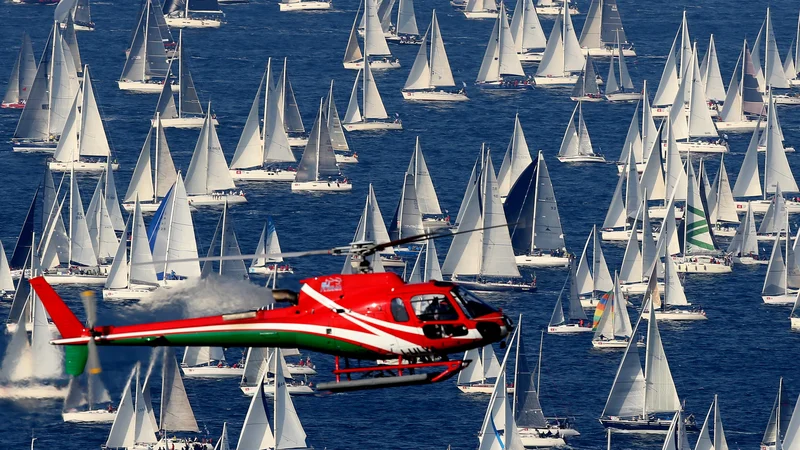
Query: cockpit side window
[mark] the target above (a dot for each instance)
(430, 307)
(399, 311)
(475, 306)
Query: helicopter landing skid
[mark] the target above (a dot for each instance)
(377, 377)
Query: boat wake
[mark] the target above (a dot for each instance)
(31, 391)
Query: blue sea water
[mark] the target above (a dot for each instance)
(739, 353)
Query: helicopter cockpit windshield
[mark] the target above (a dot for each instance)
(472, 306)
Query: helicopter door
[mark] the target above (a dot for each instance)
(439, 318)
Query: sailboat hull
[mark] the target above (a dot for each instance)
(763, 148)
(183, 122)
(568, 80)
(269, 389)
(659, 212)
(216, 199)
(298, 141)
(269, 269)
(530, 57)
(480, 14)
(588, 99)
(656, 426)
(606, 52)
(435, 96)
(554, 10)
(610, 344)
(786, 99)
(639, 288)
(346, 159)
(737, 127)
(131, 293)
(700, 147)
(496, 286)
(624, 97)
(188, 22)
(568, 328)
(17, 105)
(582, 159)
(749, 260)
(701, 264)
(212, 372)
(785, 299)
(663, 111)
(542, 260)
(321, 186)
(304, 6)
(80, 166)
(375, 64)
(533, 438)
(761, 206)
(67, 278)
(144, 87)
(640, 166)
(481, 388)
(91, 416)
(262, 175)
(795, 323)
(34, 147)
(149, 207)
(372, 126)
(677, 315)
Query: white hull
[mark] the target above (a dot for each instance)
(761, 206)
(31, 148)
(588, 99)
(481, 388)
(480, 14)
(663, 111)
(554, 10)
(376, 64)
(700, 265)
(268, 269)
(213, 199)
(80, 166)
(269, 389)
(737, 127)
(570, 328)
(183, 122)
(610, 344)
(700, 147)
(298, 141)
(143, 87)
(530, 57)
(676, 315)
(622, 235)
(64, 278)
(784, 99)
(640, 166)
(606, 52)
(582, 159)
(93, 416)
(634, 289)
(321, 186)
(763, 148)
(538, 439)
(659, 212)
(188, 22)
(262, 175)
(128, 293)
(556, 81)
(212, 372)
(296, 369)
(372, 126)
(624, 97)
(541, 261)
(304, 6)
(749, 260)
(435, 96)
(346, 159)
(146, 207)
(785, 299)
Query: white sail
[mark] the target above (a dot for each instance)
(373, 104)
(406, 20)
(142, 270)
(274, 133)
(250, 149)
(407, 220)
(499, 429)
(500, 58)
(552, 63)
(81, 250)
(474, 371)
(256, 431)
(675, 172)
(660, 393)
(516, 159)
(674, 294)
(353, 113)
(6, 282)
(144, 426)
(724, 205)
(420, 75)
(583, 277)
(172, 235)
(616, 215)
(526, 30)
(631, 270)
(700, 122)
(222, 443)
(774, 76)
(208, 170)
(353, 52)
(427, 200)
(748, 182)
(371, 227)
(374, 40)
(668, 86)
(176, 412)
(633, 191)
(652, 182)
(775, 280)
(626, 398)
(776, 168)
(118, 274)
(48, 358)
(289, 431)
(570, 143)
(124, 426)
(633, 139)
(711, 76)
(335, 129)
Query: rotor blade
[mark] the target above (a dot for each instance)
(425, 236)
(93, 361)
(330, 251)
(90, 306)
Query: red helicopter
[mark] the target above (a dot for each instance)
(364, 316)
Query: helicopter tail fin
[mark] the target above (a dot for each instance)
(65, 320)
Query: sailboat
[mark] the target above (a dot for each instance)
(762, 144)
(705, 440)
(262, 150)
(536, 234)
(500, 67)
(304, 5)
(132, 277)
(6, 282)
(700, 251)
(50, 98)
(22, 75)
(84, 136)
(290, 112)
(723, 214)
(555, 7)
(187, 112)
(782, 280)
(152, 178)
(586, 89)
(589, 283)
(534, 428)
(499, 428)
(268, 244)
(375, 45)
(208, 362)
(527, 32)
(193, 13)
(208, 181)
(515, 161)
(779, 421)
(480, 9)
(176, 411)
(283, 431)
(636, 398)
(224, 244)
(431, 70)
(338, 140)
(483, 367)
(578, 322)
(407, 218)
(372, 229)
(576, 146)
(563, 57)
(711, 75)
(776, 219)
(271, 362)
(671, 307)
(374, 116)
(406, 31)
(483, 260)
(776, 170)
(794, 316)
(81, 15)
(743, 107)
(426, 267)
(679, 59)
(622, 91)
(611, 323)
(146, 68)
(319, 162)
(427, 201)
(171, 237)
(603, 28)
(132, 425)
(86, 393)
(744, 245)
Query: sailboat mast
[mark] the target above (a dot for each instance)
(267, 86)
(133, 237)
(500, 18)
(146, 32)
(432, 48)
(768, 141)
(71, 202)
(580, 117)
(766, 50)
(157, 139)
(516, 371)
(538, 365)
(169, 231)
(594, 259)
(535, 201)
(786, 251)
(222, 233)
(180, 72)
(56, 37)
(319, 138)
